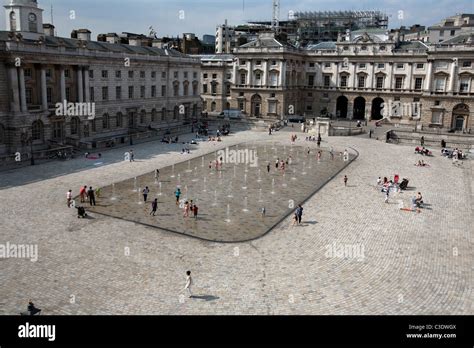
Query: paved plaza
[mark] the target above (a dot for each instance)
(353, 253)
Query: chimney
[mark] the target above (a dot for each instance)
(135, 41)
(112, 38)
(48, 29)
(83, 34)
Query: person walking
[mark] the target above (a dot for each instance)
(157, 174)
(145, 193)
(83, 194)
(299, 212)
(422, 141)
(387, 194)
(69, 198)
(195, 211)
(319, 140)
(345, 180)
(264, 212)
(91, 195)
(154, 207)
(132, 156)
(268, 168)
(189, 283)
(177, 194)
(295, 219)
(186, 209)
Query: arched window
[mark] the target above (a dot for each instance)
(13, 21)
(153, 115)
(119, 120)
(185, 88)
(75, 124)
(32, 23)
(163, 114)
(105, 121)
(3, 139)
(213, 106)
(37, 130)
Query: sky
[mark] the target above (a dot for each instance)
(174, 17)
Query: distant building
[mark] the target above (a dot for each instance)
(450, 27)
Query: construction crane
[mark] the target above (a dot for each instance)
(276, 16)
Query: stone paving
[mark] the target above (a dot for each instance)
(353, 254)
(230, 198)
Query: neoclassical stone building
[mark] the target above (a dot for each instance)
(365, 75)
(134, 88)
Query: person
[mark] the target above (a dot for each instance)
(145, 192)
(379, 181)
(69, 198)
(387, 193)
(443, 143)
(422, 141)
(91, 195)
(186, 209)
(319, 140)
(154, 207)
(189, 283)
(268, 168)
(83, 194)
(132, 156)
(177, 194)
(332, 154)
(81, 212)
(157, 174)
(195, 211)
(419, 200)
(319, 156)
(98, 192)
(32, 310)
(299, 212)
(370, 134)
(264, 211)
(295, 219)
(345, 180)
(346, 155)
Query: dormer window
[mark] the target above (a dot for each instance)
(32, 23)
(12, 21)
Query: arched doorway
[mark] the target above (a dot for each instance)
(460, 117)
(376, 113)
(341, 107)
(359, 108)
(256, 105)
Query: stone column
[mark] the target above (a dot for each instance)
(390, 75)
(249, 73)
(283, 74)
(44, 90)
(428, 76)
(80, 86)
(352, 80)
(336, 79)
(235, 78)
(24, 107)
(13, 77)
(452, 76)
(87, 95)
(371, 84)
(409, 83)
(265, 73)
(62, 82)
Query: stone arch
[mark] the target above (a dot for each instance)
(377, 107)
(359, 108)
(460, 118)
(341, 107)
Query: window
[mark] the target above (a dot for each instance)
(228, 76)
(105, 121)
(310, 94)
(118, 92)
(420, 66)
(311, 80)
(185, 74)
(142, 92)
(163, 91)
(118, 74)
(309, 107)
(437, 117)
(68, 93)
(242, 62)
(49, 95)
(311, 65)
(381, 65)
(259, 62)
(105, 74)
(143, 117)
(37, 130)
(453, 32)
(131, 92)
(382, 48)
(213, 106)
(362, 66)
(464, 85)
(400, 65)
(48, 73)
(343, 80)
(361, 81)
(214, 76)
(274, 62)
(241, 94)
(437, 103)
(153, 74)
(176, 89)
(75, 126)
(195, 89)
(67, 73)
(92, 94)
(272, 107)
(258, 77)
(243, 79)
(418, 83)
(242, 105)
(153, 91)
(27, 72)
(195, 75)
(364, 48)
(204, 88)
(327, 80)
(163, 74)
(142, 74)
(176, 74)
(119, 120)
(227, 90)
(32, 23)
(163, 114)
(379, 82)
(153, 115)
(185, 89)
(130, 74)
(327, 65)
(91, 74)
(29, 96)
(272, 95)
(466, 64)
(398, 82)
(105, 93)
(12, 21)
(204, 76)
(441, 33)
(214, 88)
(439, 84)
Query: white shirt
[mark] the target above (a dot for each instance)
(189, 282)
(69, 195)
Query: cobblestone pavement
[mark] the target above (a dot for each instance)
(354, 254)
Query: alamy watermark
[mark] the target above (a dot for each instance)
(75, 109)
(19, 251)
(246, 156)
(345, 251)
(399, 109)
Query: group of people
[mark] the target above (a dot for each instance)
(85, 194)
(313, 138)
(218, 139)
(422, 163)
(169, 140)
(423, 151)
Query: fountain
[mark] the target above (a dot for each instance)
(235, 168)
(160, 193)
(245, 182)
(195, 175)
(139, 196)
(230, 190)
(172, 171)
(228, 213)
(205, 184)
(260, 195)
(215, 198)
(259, 176)
(202, 161)
(273, 186)
(135, 184)
(113, 198)
(283, 180)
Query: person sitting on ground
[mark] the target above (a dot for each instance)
(419, 200)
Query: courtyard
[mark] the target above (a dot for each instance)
(403, 262)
